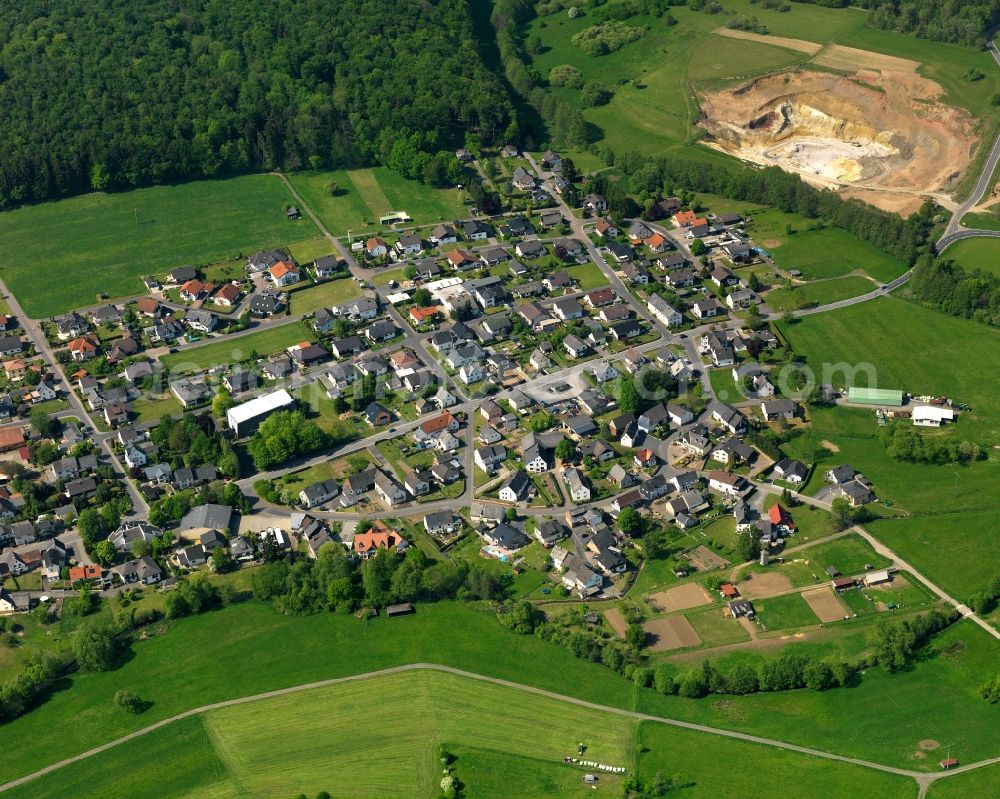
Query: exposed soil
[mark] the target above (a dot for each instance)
(764, 584)
(829, 445)
(617, 621)
(681, 597)
(824, 604)
(882, 128)
(672, 633)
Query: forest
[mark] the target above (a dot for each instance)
(964, 22)
(114, 94)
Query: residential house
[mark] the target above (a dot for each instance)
(664, 311)
(791, 471)
(516, 488)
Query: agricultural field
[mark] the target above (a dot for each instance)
(903, 343)
(980, 782)
(819, 292)
(108, 242)
(973, 254)
(363, 195)
(785, 612)
(850, 554)
(273, 746)
(234, 349)
(195, 661)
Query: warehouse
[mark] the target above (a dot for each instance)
(243, 419)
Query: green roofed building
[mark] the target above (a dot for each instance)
(875, 396)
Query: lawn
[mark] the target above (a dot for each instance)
(850, 554)
(980, 782)
(812, 523)
(307, 251)
(820, 292)
(822, 253)
(784, 612)
(152, 409)
(715, 629)
(234, 350)
(976, 254)
(107, 242)
(324, 295)
(954, 550)
(321, 407)
(588, 276)
(723, 385)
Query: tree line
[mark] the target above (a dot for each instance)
(964, 22)
(116, 95)
(946, 286)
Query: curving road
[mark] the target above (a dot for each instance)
(955, 232)
(923, 779)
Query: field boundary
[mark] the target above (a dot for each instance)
(923, 779)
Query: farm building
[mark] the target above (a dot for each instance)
(875, 396)
(932, 416)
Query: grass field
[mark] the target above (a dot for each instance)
(107, 242)
(324, 295)
(849, 554)
(227, 351)
(784, 612)
(380, 737)
(366, 194)
(973, 254)
(721, 769)
(904, 343)
(820, 292)
(201, 659)
(818, 254)
(588, 276)
(981, 782)
(969, 537)
(152, 409)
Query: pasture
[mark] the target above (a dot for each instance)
(61, 255)
(785, 612)
(380, 737)
(972, 254)
(363, 195)
(903, 343)
(850, 554)
(819, 292)
(231, 350)
(198, 660)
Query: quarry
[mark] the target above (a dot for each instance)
(881, 132)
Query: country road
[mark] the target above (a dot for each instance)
(923, 779)
(954, 231)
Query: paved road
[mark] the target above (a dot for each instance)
(922, 779)
(954, 231)
(36, 335)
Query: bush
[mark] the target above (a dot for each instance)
(128, 701)
(595, 94)
(607, 37)
(567, 76)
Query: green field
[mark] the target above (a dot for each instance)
(969, 538)
(380, 737)
(588, 276)
(366, 194)
(229, 351)
(973, 254)
(980, 782)
(820, 292)
(201, 660)
(850, 554)
(818, 254)
(323, 295)
(107, 242)
(905, 344)
(785, 612)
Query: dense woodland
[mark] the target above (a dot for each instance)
(117, 94)
(963, 21)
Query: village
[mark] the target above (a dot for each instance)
(537, 391)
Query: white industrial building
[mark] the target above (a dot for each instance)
(932, 415)
(243, 419)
